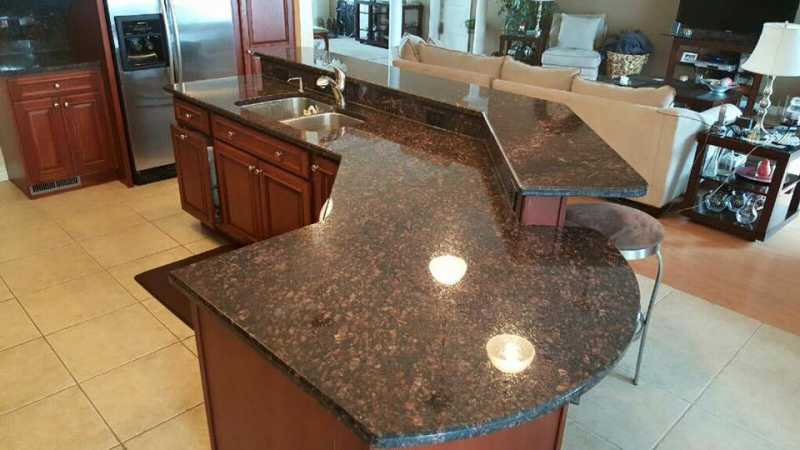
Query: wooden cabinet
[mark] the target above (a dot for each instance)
(239, 190)
(43, 136)
(64, 130)
(264, 23)
(323, 174)
(88, 132)
(191, 161)
(286, 200)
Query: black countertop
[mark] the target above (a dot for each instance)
(31, 63)
(352, 309)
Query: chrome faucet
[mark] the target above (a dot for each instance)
(299, 82)
(337, 86)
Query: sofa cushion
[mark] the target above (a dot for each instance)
(661, 97)
(578, 31)
(486, 65)
(444, 72)
(537, 76)
(529, 90)
(570, 57)
(408, 47)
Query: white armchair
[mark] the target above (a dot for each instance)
(573, 42)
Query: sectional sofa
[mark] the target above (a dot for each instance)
(656, 139)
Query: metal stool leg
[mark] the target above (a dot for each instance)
(649, 313)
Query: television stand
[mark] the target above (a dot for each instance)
(706, 45)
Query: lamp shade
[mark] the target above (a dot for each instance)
(777, 52)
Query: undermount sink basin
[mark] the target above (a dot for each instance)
(288, 108)
(329, 121)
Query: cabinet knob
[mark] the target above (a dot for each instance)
(183, 136)
(188, 116)
(57, 85)
(251, 52)
(278, 154)
(66, 104)
(56, 105)
(314, 167)
(259, 171)
(251, 168)
(231, 134)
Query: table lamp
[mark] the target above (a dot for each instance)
(775, 55)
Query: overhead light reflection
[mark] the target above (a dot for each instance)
(448, 269)
(327, 209)
(510, 353)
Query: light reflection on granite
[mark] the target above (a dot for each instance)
(350, 309)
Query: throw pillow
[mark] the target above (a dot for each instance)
(578, 31)
(661, 97)
(518, 72)
(408, 47)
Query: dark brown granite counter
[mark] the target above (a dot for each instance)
(31, 63)
(352, 309)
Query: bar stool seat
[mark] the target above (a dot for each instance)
(636, 235)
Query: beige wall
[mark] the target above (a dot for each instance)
(653, 17)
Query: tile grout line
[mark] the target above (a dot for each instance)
(146, 430)
(693, 404)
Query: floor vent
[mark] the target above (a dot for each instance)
(60, 185)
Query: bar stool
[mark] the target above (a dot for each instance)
(636, 235)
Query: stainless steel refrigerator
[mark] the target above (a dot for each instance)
(158, 42)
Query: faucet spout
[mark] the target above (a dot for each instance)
(337, 86)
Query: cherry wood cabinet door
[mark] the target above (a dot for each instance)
(239, 191)
(194, 177)
(264, 23)
(41, 128)
(288, 200)
(87, 125)
(323, 175)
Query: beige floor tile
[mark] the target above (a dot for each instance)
(191, 344)
(100, 222)
(631, 417)
(65, 421)
(646, 289)
(5, 293)
(164, 187)
(124, 273)
(206, 244)
(21, 214)
(130, 244)
(690, 341)
(171, 321)
(75, 301)
(758, 400)
(48, 268)
(34, 372)
(157, 206)
(109, 341)
(700, 430)
(67, 204)
(148, 391)
(183, 228)
(9, 192)
(773, 349)
(189, 431)
(579, 438)
(15, 326)
(19, 242)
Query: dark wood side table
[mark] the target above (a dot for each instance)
(780, 196)
(530, 46)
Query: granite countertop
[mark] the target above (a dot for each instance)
(350, 307)
(30, 63)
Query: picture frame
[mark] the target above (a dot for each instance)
(689, 57)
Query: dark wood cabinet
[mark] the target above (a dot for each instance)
(191, 161)
(239, 190)
(43, 137)
(323, 174)
(88, 132)
(285, 200)
(264, 23)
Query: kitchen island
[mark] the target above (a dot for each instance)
(370, 328)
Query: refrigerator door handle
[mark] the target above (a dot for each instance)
(176, 35)
(172, 41)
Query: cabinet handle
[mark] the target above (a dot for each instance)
(56, 105)
(278, 154)
(188, 116)
(183, 136)
(57, 85)
(231, 134)
(314, 167)
(251, 168)
(259, 171)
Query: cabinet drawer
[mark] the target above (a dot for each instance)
(53, 85)
(192, 116)
(281, 154)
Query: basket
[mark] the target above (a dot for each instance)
(621, 64)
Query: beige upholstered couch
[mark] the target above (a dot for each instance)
(655, 138)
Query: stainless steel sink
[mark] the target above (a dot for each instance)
(287, 108)
(329, 121)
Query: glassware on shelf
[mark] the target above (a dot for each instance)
(749, 213)
(714, 201)
(729, 161)
(736, 200)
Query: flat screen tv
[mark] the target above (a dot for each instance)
(736, 16)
